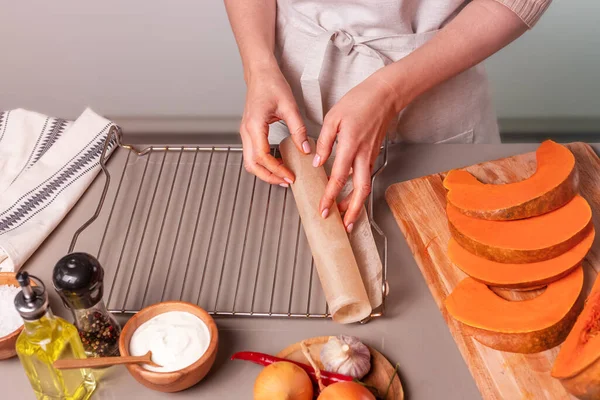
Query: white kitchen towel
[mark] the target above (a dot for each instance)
(45, 166)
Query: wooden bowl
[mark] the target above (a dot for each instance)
(8, 342)
(177, 380)
(380, 376)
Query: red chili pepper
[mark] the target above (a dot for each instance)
(327, 378)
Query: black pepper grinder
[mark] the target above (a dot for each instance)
(78, 279)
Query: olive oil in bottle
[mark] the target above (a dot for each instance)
(45, 339)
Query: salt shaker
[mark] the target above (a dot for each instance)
(78, 279)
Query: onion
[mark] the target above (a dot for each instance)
(346, 391)
(283, 381)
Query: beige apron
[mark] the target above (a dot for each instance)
(325, 48)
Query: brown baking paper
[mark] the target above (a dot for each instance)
(363, 246)
(333, 254)
(365, 251)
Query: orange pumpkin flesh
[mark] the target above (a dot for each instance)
(523, 241)
(346, 391)
(553, 185)
(578, 362)
(519, 276)
(527, 326)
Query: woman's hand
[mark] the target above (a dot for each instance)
(269, 99)
(359, 121)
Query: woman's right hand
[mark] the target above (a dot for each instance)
(269, 99)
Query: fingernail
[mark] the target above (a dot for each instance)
(306, 147)
(325, 213)
(349, 227)
(316, 161)
(285, 185)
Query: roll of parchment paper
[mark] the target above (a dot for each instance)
(364, 248)
(329, 243)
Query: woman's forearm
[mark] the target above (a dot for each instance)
(253, 24)
(481, 29)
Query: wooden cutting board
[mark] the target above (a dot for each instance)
(419, 208)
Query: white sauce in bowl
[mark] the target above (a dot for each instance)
(177, 339)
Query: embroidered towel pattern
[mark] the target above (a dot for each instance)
(46, 164)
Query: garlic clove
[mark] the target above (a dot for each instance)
(346, 355)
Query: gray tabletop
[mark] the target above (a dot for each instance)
(412, 333)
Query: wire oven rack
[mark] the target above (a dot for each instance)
(188, 223)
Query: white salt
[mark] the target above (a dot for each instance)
(10, 320)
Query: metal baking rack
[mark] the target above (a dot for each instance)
(188, 223)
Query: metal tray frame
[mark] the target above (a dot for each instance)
(114, 138)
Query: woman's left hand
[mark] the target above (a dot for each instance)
(359, 121)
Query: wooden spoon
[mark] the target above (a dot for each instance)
(98, 362)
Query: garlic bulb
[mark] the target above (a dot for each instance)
(346, 355)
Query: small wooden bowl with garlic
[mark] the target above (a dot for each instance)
(380, 373)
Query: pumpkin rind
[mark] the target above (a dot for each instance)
(523, 241)
(577, 365)
(586, 384)
(553, 185)
(519, 276)
(528, 326)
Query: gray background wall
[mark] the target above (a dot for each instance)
(175, 63)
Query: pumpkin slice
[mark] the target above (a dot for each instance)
(553, 185)
(578, 362)
(519, 276)
(527, 326)
(525, 240)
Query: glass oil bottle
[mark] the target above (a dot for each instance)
(45, 339)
